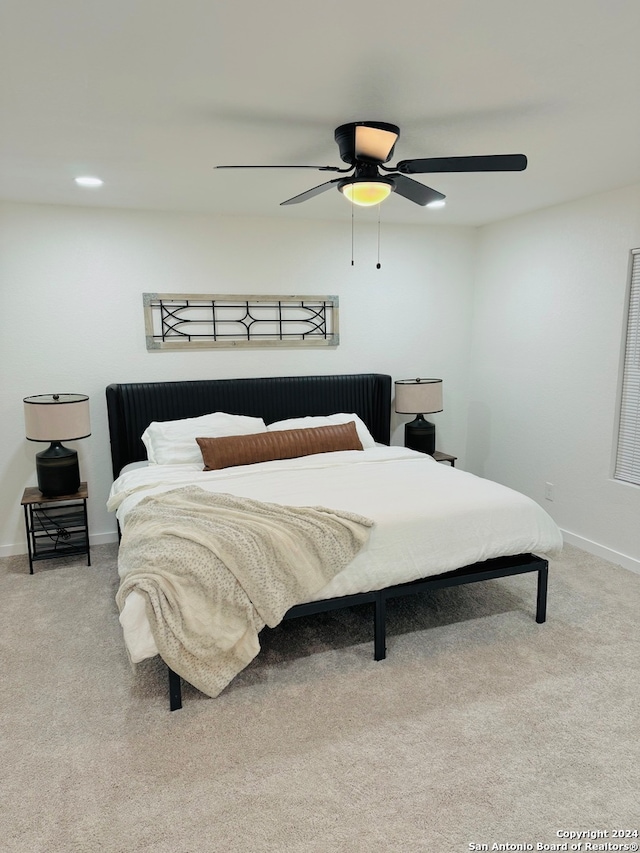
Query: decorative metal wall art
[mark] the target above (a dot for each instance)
(185, 321)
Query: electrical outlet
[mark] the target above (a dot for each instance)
(548, 491)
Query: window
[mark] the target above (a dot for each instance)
(628, 453)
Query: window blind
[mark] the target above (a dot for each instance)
(628, 453)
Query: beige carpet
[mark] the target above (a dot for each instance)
(481, 727)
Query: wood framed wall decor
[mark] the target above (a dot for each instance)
(188, 321)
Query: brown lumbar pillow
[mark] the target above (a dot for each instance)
(231, 450)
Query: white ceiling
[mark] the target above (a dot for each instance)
(151, 94)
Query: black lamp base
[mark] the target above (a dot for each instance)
(420, 434)
(58, 471)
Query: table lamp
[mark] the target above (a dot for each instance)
(419, 397)
(57, 418)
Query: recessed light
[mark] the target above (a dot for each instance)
(438, 203)
(88, 181)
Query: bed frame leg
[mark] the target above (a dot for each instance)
(380, 627)
(541, 610)
(175, 691)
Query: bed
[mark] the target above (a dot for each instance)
(430, 525)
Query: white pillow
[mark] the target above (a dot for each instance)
(174, 442)
(366, 439)
(133, 466)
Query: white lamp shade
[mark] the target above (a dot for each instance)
(57, 417)
(418, 396)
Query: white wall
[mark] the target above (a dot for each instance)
(72, 280)
(548, 319)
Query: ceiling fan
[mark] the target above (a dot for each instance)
(367, 145)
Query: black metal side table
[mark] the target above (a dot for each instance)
(56, 527)
(439, 456)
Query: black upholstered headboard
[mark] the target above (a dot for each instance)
(132, 406)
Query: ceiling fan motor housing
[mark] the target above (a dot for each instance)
(345, 136)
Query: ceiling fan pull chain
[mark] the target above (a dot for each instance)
(378, 265)
(352, 264)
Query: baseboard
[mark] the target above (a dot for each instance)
(20, 548)
(601, 551)
(103, 538)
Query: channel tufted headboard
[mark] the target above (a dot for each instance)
(132, 406)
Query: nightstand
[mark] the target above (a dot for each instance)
(56, 527)
(445, 457)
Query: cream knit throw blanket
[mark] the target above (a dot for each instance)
(215, 568)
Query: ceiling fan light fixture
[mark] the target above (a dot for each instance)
(375, 143)
(366, 193)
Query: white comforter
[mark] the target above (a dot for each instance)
(429, 518)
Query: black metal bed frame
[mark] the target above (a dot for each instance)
(500, 567)
(132, 406)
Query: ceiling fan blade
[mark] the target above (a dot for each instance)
(489, 163)
(319, 168)
(414, 191)
(312, 192)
